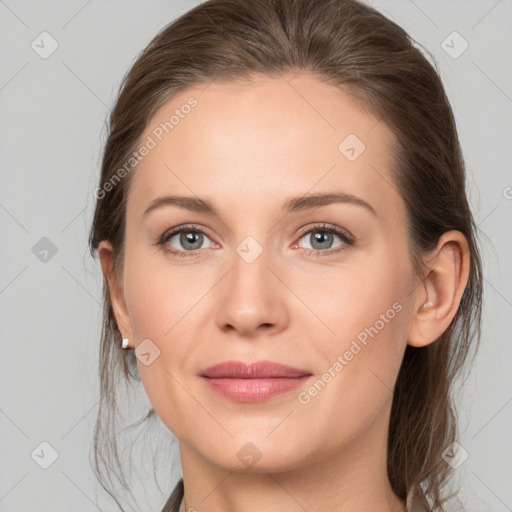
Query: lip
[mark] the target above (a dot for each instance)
(253, 382)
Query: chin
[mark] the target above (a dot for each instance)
(249, 457)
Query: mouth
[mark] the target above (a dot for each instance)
(253, 382)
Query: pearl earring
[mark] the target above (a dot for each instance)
(125, 343)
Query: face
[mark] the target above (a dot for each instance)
(267, 273)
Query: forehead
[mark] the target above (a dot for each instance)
(263, 139)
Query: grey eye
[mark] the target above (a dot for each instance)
(320, 239)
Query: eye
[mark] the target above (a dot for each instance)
(321, 238)
(189, 239)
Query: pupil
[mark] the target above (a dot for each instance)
(189, 238)
(322, 236)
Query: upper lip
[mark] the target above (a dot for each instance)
(259, 369)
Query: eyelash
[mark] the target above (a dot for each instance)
(345, 236)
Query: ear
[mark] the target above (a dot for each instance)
(105, 253)
(438, 297)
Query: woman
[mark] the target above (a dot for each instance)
(289, 257)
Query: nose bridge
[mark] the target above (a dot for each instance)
(251, 249)
(250, 272)
(249, 295)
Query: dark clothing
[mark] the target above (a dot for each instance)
(175, 499)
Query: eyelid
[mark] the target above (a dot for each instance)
(183, 227)
(322, 226)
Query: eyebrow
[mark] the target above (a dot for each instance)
(294, 204)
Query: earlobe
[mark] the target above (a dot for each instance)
(438, 299)
(105, 253)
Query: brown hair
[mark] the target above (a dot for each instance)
(368, 56)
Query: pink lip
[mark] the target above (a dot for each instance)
(246, 382)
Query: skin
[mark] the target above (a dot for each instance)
(248, 148)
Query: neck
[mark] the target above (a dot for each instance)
(353, 477)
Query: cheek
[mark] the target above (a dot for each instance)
(350, 299)
(366, 312)
(161, 308)
(361, 362)
(158, 298)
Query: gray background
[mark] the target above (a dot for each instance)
(53, 113)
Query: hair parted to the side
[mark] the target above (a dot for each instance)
(353, 46)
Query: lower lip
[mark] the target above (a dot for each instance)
(253, 390)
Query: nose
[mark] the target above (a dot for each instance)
(252, 299)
